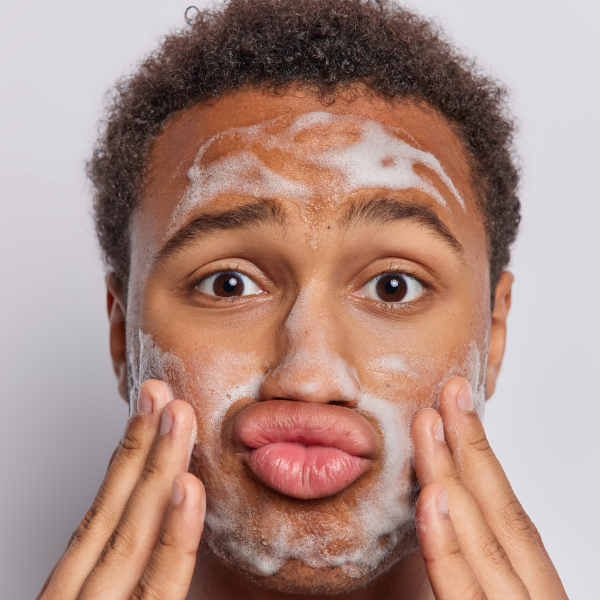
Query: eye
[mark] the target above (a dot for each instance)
(228, 284)
(393, 287)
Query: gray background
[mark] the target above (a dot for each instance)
(61, 414)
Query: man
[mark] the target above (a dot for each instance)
(306, 211)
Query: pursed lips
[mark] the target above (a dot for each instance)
(304, 450)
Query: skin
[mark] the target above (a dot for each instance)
(141, 537)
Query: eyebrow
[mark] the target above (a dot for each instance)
(380, 211)
(241, 217)
(384, 211)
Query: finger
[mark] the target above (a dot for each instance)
(113, 456)
(480, 546)
(128, 550)
(171, 566)
(486, 480)
(449, 572)
(125, 468)
(46, 583)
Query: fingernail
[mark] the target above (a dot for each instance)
(166, 421)
(443, 502)
(144, 403)
(178, 493)
(438, 430)
(464, 400)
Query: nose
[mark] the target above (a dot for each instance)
(311, 368)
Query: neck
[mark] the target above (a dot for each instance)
(406, 580)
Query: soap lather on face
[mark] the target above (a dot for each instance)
(374, 157)
(384, 511)
(315, 162)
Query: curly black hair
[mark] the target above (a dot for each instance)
(325, 46)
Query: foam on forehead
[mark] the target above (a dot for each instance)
(370, 155)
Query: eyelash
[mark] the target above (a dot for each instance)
(400, 306)
(237, 269)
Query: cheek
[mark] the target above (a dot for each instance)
(412, 379)
(218, 385)
(214, 381)
(409, 379)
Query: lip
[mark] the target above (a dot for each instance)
(304, 450)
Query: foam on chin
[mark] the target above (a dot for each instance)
(381, 519)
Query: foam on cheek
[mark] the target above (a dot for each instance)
(390, 363)
(386, 510)
(474, 369)
(215, 405)
(147, 361)
(377, 159)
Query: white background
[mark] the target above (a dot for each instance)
(61, 414)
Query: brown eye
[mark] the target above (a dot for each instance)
(393, 287)
(228, 284)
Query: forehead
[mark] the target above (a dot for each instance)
(259, 144)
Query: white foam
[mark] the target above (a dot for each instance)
(379, 158)
(474, 370)
(377, 523)
(242, 174)
(147, 361)
(309, 353)
(390, 363)
(257, 537)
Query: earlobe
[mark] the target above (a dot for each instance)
(115, 306)
(498, 331)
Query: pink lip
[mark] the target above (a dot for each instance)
(304, 450)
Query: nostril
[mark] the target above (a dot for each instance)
(318, 377)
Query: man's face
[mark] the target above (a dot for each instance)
(306, 277)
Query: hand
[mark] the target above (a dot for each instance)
(140, 537)
(476, 539)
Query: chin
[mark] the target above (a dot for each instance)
(245, 555)
(297, 578)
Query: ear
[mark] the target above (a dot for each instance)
(115, 305)
(498, 331)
